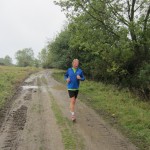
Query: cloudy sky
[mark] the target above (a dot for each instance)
(28, 24)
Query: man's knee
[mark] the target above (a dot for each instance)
(73, 100)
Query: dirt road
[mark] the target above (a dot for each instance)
(30, 122)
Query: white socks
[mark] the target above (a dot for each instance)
(72, 113)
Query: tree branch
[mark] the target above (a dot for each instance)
(139, 6)
(129, 9)
(146, 19)
(132, 10)
(144, 32)
(118, 16)
(96, 9)
(104, 25)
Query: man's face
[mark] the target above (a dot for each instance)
(75, 64)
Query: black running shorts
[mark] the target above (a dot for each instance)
(73, 93)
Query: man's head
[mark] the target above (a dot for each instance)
(75, 63)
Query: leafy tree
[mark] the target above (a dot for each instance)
(36, 63)
(25, 57)
(7, 60)
(58, 50)
(116, 34)
(43, 58)
(111, 16)
(2, 61)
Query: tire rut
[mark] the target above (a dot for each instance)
(18, 123)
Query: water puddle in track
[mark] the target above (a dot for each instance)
(29, 87)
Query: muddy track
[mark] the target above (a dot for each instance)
(30, 124)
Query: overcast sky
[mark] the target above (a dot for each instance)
(28, 24)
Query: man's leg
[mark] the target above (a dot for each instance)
(73, 96)
(72, 108)
(72, 104)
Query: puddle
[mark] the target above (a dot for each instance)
(33, 77)
(29, 87)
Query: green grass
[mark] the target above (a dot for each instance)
(10, 79)
(58, 75)
(70, 137)
(118, 107)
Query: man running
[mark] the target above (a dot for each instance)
(73, 76)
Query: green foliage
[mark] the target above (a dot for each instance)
(59, 52)
(25, 57)
(36, 63)
(143, 80)
(7, 61)
(111, 41)
(121, 109)
(43, 58)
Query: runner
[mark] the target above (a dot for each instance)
(73, 76)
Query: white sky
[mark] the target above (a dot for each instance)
(28, 24)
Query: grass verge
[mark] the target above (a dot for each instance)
(118, 107)
(10, 79)
(70, 137)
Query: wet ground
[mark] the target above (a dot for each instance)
(28, 122)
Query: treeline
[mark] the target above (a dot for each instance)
(24, 58)
(110, 38)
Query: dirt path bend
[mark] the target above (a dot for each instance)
(30, 123)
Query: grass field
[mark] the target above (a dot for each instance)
(10, 78)
(125, 112)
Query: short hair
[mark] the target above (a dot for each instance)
(75, 60)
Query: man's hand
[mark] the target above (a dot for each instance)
(78, 77)
(68, 80)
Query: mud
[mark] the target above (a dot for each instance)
(28, 122)
(5, 109)
(18, 122)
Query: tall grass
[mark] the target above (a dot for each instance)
(10, 78)
(125, 112)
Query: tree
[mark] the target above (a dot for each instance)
(43, 58)
(2, 61)
(25, 57)
(115, 33)
(59, 52)
(7, 60)
(111, 16)
(36, 63)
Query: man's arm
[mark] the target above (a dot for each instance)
(82, 76)
(66, 77)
